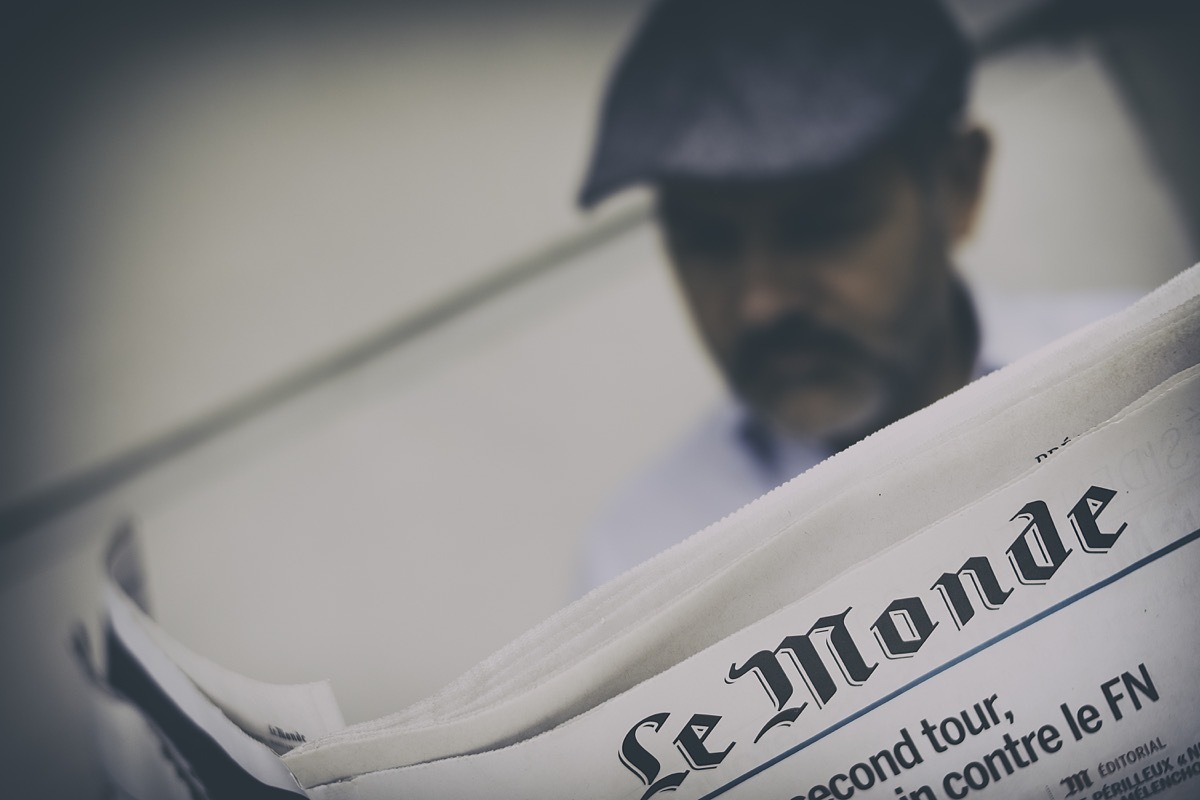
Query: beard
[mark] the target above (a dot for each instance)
(815, 381)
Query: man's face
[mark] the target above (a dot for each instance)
(827, 303)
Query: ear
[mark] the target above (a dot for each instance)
(963, 178)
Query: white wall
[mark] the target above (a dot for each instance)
(1074, 199)
(222, 211)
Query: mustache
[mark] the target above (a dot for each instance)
(795, 333)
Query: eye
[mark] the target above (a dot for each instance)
(700, 236)
(827, 226)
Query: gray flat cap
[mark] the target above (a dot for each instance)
(745, 90)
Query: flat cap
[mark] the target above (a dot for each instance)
(745, 90)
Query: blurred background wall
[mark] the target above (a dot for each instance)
(301, 289)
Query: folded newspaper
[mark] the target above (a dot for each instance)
(994, 597)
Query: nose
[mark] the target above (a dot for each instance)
(772, 286)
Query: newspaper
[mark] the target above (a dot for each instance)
(199, 727)
(991, 598)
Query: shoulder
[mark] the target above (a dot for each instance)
(1015, 324)
(707, 475)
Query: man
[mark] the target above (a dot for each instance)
(813, 173)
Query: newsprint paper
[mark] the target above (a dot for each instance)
(993, 598)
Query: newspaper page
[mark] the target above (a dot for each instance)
(1025, 630)
(1039, 644)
